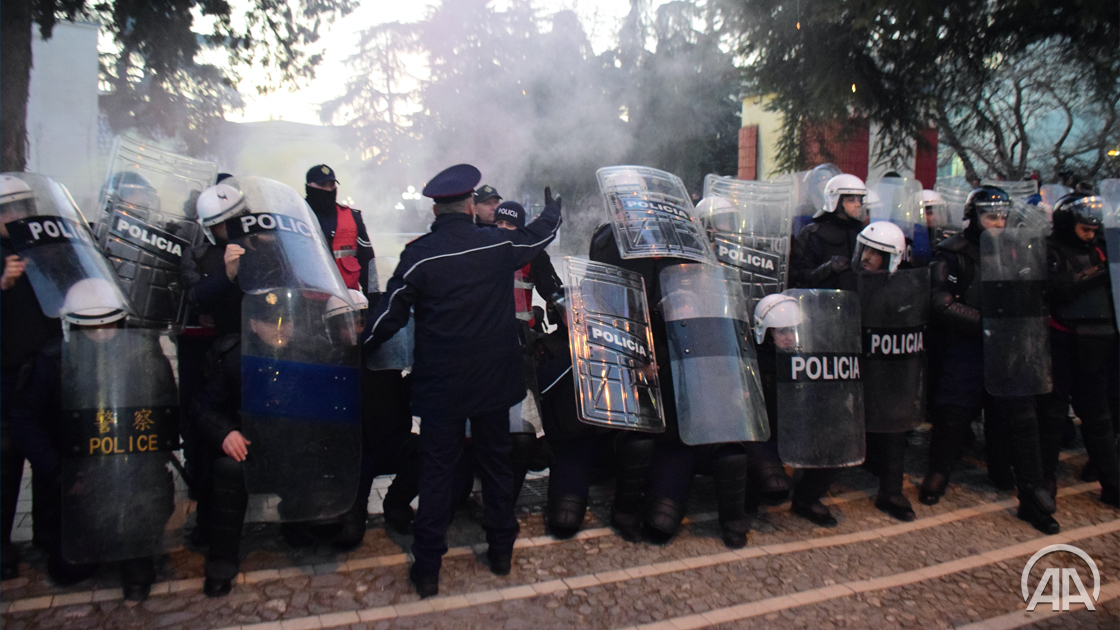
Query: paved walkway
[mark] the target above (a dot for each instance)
(958, 565)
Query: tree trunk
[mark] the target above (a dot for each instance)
(15, 77)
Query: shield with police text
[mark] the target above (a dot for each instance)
(51, 235)
(120, 425)
(749, 223)
(300, 403)
(651, 214)
(1110, 192)
(715, 371)
(148, 224)
(611, 342)
(900, 202)
(820, 382)
(1013, 276)
(894, 314)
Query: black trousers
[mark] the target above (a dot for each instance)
(441, 451)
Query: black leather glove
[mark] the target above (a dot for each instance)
(548, 200)
(831, 267)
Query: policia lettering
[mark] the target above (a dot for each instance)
(147, 237)
(46, 230)
(631, 204)
(797, 368)
(618, 340)
(252, 223)
(893, 342)
(751, 260)
(123, 431)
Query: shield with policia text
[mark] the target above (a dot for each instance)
(715, 372)
(651, 214)
(1015, 315)
(51, 235)
(894, 314)
(300, 387)
(820, 388)
(748, 223)
(1110, 192)
(611, 342)
(120, 423)
(147, 224)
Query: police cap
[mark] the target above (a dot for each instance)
(486, 192)
(453, 184)
(320, 174)
(510, 211)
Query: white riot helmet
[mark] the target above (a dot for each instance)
(90, 302)
(717, 213)
(931, 198)
(841, 185)
(775, 311)
(627, 181)
(14, 189)
(338, 306)
(883, 236)
(217, 204)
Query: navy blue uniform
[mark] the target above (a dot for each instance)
(467, 363)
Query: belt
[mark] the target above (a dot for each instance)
(343, 253)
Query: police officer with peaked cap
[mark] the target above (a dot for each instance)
(467, 362)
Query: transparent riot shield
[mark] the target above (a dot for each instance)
(748, 223)
(1018, 191)
(1110, 192)
(147, 224)
(612, 347)
(51, 235)
(820, 388)
(300, 403)
(894, 314)
(1051, 193)
(650, 212)
(120, 421)
(1016, 337)
(396, 353)
(808, 193)
(715, 372)
(953, 221)
(900, 203)
(284, 246)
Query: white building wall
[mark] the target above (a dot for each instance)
(62, 111)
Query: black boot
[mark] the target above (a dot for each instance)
(997, 447)
(773, 483)
(398, 498)
(1036, 507)
(896, 505)
(945, 443)
(663, 520)
(227, 515)
(565, 515)
(634, 456)
(353, 528)
(813, 485)
(730, 473)
(137, 576)
(890, 452)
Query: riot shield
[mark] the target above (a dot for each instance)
(1110, 192)
(953, 221)
(715, 372)
(284, 246)
(894, 313)
(147, 224)
(1013, 277)
(51, 235)
(300, 404)
(525, 416)
(650, 212)
(820, 388)
(1051, 193)
(396, 353)
(1018, 191)
(612, 347)
(750, 232)
(808, 193)
(120, 421)
(900, 203)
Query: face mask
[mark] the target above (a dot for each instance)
(321, 200)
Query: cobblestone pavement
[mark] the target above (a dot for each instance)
(958, 565)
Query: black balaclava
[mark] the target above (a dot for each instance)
(321, 201)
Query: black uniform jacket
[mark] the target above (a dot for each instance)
(209, 289)
(832, 234)
(459, 280)
(24, 328)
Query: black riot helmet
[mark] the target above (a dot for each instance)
(984, 200)
(1083, 207)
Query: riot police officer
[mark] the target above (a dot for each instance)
(961, 391)
(344, 229)
(1082, 334)
(467, 359)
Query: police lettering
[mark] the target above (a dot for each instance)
(620, 340)
(275, 222)
(828, 368)
(509, 212)
(144, 236)
(897, 344)
(55, 228)
(745, 257)
(117, 445)
(656, 206)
